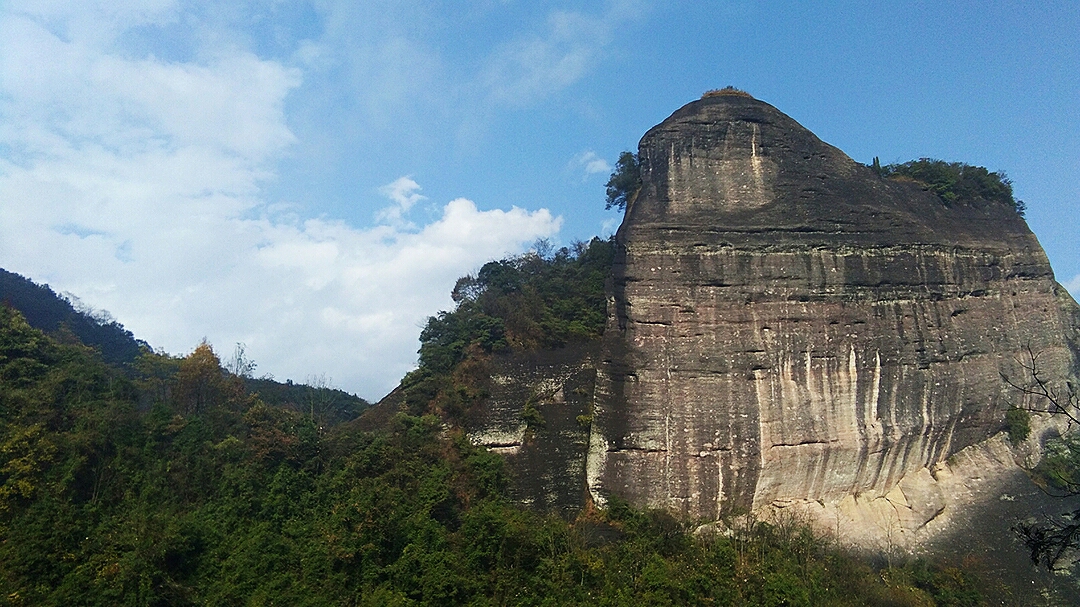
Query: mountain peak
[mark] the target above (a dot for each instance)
(740, 165)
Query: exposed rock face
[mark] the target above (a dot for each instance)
(787, 327)
(537, 416)
(790, 333)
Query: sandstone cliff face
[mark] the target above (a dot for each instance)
(787, 327)
(537, 416)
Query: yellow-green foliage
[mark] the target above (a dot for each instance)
(726, 91)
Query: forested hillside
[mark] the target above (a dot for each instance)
(133, 477)
(66, 320)
(181, 486)
(53, 313)
(541, 299)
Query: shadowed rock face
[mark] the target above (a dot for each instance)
(789, 327)
(545, 454)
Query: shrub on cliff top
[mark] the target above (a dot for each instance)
(955, 181)
(726, 91)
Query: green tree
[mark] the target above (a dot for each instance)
(625, 182)
(877, 168)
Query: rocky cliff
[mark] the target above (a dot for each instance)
(787, 327)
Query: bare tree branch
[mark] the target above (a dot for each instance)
(1053, 540)
(1048, 398)
(1057, 538)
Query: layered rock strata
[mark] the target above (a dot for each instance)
(788, 327)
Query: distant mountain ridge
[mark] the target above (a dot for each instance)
(50, 312)
(54, 313)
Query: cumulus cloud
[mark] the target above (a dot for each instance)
(138, 184)
(354, 299)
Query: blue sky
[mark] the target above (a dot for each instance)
(309, 178)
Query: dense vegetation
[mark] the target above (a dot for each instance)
(54, 313)
(67, 320)
(181, 487)
(542, 299)
(954, 181)
(1054, 541)
(317, 400)
(1060, 467)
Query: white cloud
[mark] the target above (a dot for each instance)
(533, 67)
(400, 76)
(591, 164)
(380, 62)
(404, 193)
(92, 21)
(609, 226)
(539, 64)
(137, 184)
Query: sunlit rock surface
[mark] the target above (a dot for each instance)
(789, 328)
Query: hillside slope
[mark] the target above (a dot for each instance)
(46, 310)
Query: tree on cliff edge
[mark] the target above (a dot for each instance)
(625, 182)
